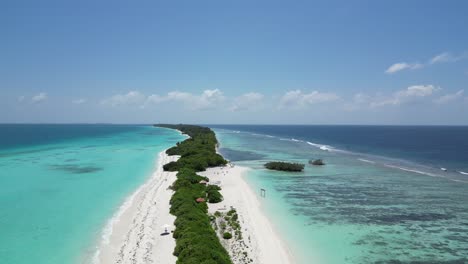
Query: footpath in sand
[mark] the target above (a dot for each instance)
(136, 233)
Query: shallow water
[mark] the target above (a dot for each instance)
(57, 191)
(352, 210)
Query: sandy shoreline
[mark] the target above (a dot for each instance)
(263, 243)
(133, 235)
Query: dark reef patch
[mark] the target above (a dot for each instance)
(76, 169)
(22, 152)
(400, 218)
(395, 261)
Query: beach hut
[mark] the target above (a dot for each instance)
(200, 200)
(203, 182)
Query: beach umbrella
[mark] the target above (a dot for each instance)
(166, 227)
(200, 200)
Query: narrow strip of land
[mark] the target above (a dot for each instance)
(209, 212)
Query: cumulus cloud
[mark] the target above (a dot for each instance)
(247, 101)
(79, 101)
(39, 98)
(299, 99)
(449, 97)
(206, 100)
(403, 66)
(358, 101)
(130, 98)
(407, 95)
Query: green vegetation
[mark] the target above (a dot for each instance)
(198, 152)
(213, 194)
(196, 240)
(228, 222)
(227, 235)
(227, 225)
(317, 162)
(284, 166)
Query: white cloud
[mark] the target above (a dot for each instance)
(417, 90)
(39, 98)
(298, 99)
(79, 101)
(361, 98)
(247, 101)
(443, 57)
(403, 66)
(154, 99)
(410, 94)
(206, 100)
(448, 57)
(209, 99)
(130, 98)
(449, 97)
(440, 58)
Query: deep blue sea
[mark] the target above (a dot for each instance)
(432, 146)
(387, 194)
(60, 184)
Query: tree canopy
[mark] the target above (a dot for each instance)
(284, 166)
(196, 240)
(197, 152)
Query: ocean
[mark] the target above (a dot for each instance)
(60, 185)
(382, 196)
(387, 194)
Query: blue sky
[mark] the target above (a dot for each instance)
(275, 62)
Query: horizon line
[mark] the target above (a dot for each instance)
(227, 124)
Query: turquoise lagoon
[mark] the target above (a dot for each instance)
(59, 185)
(354, 210)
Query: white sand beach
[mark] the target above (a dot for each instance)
(134, 234)
(263, 243)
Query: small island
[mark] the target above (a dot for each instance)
(284, 166)
(317, 162)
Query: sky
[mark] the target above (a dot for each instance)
(234, 62)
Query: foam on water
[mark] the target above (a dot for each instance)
(320, 146)
(374, 209)
(368, 161)
(412, 170)
(109, 227)
(384, 161)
